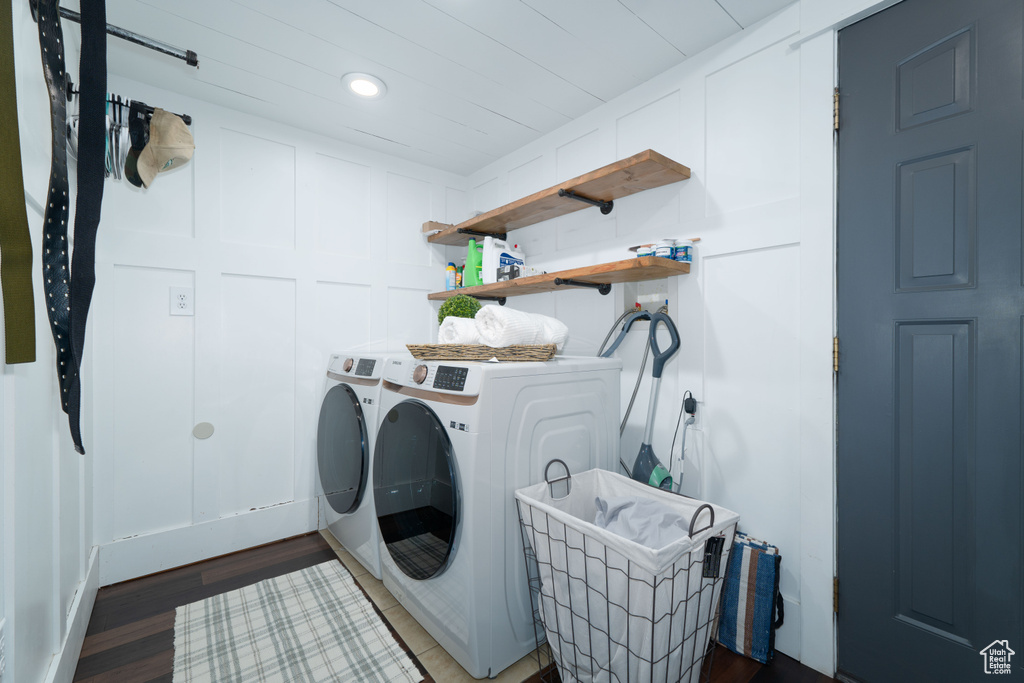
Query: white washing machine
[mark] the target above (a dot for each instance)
(344, 453)
(455, 441)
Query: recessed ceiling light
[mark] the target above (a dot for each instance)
(364, 85)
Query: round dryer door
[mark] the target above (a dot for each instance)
(342, 449)
(415, 490)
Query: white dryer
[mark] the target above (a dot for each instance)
(455, 441)
(344, 453)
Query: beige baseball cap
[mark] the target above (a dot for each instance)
(170, 145)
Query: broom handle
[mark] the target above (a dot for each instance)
(652, 407)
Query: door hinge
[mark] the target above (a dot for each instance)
(835, 354)
(835, 109)
(835, 594)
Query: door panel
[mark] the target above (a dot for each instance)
(930, 306)
(937, 82)
(936, 227)
(934, 492)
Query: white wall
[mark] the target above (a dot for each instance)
(295, 246)
(751, 117)
(48, 570)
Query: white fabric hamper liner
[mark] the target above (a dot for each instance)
(614, 610)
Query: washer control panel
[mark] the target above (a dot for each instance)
(342, 366)
(364, 368)
(462, 379)
(451, 378)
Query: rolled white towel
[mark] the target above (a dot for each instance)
(456, 330)
(500, 326)
(555, 331)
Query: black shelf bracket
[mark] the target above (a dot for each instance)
(606, 207)
(499, 299)
(601, 287)
(476, 233)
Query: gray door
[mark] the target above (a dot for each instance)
(931, 313)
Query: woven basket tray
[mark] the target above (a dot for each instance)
(481, 352)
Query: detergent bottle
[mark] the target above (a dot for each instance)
(449, 276)
(497, 254)
(474, 256)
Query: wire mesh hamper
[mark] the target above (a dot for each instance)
(613, 610)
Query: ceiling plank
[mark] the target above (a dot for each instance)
(226, 86)
(413, 105)
(366, 43)
(425, 26)
(580, 62)
(690, 26)
(749, 12)
(613, 30)
(468, 82)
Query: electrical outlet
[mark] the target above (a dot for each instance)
(182, 301)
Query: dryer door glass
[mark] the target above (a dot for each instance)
(341, 449)
(415, 489)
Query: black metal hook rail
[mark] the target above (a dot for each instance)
(187, 56)
(72, 90)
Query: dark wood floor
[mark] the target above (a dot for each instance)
(728, 667)
(131, 632)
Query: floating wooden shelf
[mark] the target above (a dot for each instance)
(629, 270)
(643, 171)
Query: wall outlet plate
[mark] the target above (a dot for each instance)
(183, 301)
(650, 294)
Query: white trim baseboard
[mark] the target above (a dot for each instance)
(131, 558)
(64, 663)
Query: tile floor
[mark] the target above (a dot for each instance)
(438, 663)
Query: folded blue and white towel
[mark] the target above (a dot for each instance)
(751, 602)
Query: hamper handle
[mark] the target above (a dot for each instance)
(551, 482)
(693, 520)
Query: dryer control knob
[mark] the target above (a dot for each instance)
(419, 374)
(347, 367)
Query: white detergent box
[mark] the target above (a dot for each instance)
(498, 254)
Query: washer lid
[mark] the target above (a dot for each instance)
(342, 449)
(415, 491)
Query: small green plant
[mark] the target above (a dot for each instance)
(460, 305)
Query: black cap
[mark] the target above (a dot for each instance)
(138, 124)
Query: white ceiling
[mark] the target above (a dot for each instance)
(468, 80)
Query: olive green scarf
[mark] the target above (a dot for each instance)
(15, 243)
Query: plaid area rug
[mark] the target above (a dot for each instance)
(313, 625)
